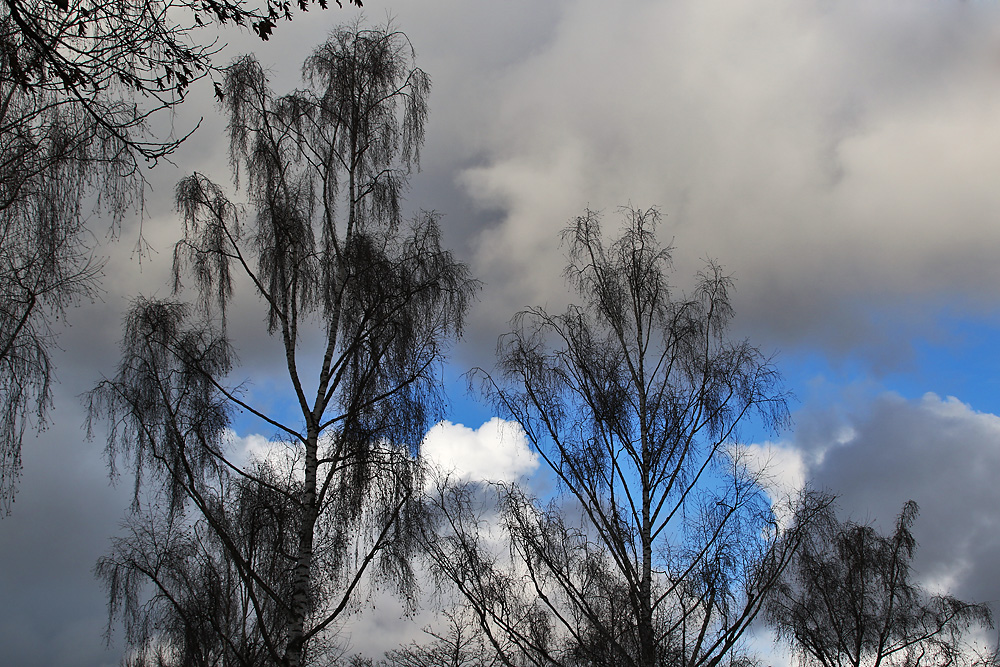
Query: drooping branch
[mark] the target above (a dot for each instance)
(381, 300)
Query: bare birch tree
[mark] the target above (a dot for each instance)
(325, 249)
(849, 600)
(460, 643)
(661, 544)
(80, 83)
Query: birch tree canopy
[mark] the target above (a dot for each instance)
(363, 305)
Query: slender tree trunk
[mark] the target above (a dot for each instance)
(303, 564)
(647, 638)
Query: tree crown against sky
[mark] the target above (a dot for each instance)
(57, 157)
(80, 84)
(849, 599)
(89, 53)
(662, 542)
(460, 643)
(49, 164)
(363, 305)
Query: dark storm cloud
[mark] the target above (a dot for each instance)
(936, 451)
(53, 610)
(837, 158)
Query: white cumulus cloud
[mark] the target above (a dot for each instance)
(280, 456)
(782, 468)
(496, 451)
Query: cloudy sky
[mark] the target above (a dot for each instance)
(840, 157)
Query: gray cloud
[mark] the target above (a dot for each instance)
(936, 451)
(54, 610)
(838, 158)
